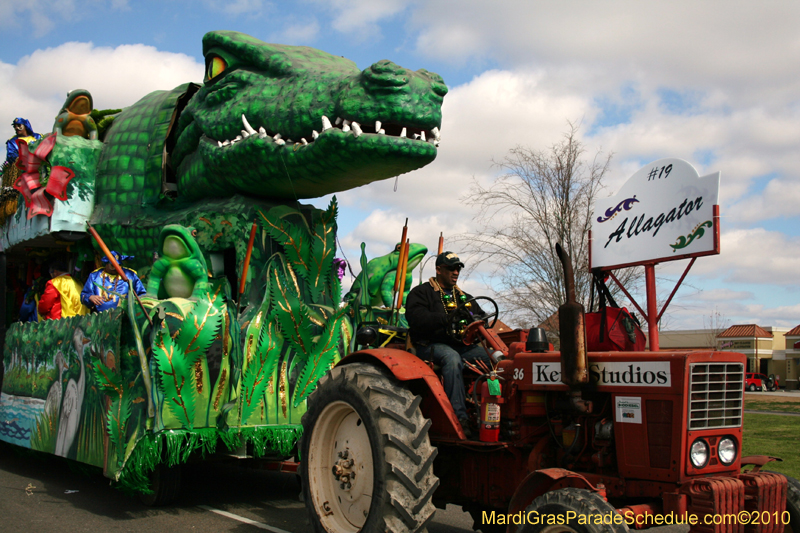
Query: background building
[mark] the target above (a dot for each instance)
(769, 350)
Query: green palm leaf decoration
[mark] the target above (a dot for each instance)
(291, 313)
(319, 360)
(121, 407)
(259, 370)
(295, 241)
(201, 326)
(323, 249)
(176, 372)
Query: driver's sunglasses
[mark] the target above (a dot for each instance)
(455, 268)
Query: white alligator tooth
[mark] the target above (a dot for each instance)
(403, 133)
(338, 120)
(277, 136)
(219, 143)
(377, 126)
(237, 139)
(314, 134)
(262, 130)
(435, 132)
(262, 135)
(247, 125)
(357, 129)
(280, 142)
(422, 136)
(245, 134)
(304, 141)
(346, 126)
(416, 136)
(226, 142)
(326, 123)
(289, 141)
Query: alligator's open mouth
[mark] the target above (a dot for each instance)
(431, 136)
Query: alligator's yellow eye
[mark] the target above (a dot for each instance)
(216, 66)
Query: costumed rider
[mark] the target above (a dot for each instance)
(105, 287)
(62, 294)
(427, 308)
(22, 131)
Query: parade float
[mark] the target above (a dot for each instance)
(202, 185)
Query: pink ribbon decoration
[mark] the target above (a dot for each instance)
(29, 184)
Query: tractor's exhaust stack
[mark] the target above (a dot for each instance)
(572, 330)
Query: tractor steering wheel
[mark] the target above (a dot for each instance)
(461, 320)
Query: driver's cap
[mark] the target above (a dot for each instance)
(449, 259)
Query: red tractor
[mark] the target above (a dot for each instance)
(573, 441)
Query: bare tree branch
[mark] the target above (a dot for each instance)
(542, 198)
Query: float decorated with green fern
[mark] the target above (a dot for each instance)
(243, 312)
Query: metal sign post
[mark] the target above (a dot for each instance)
(664, 212)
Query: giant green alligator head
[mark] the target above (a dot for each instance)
(294, 122)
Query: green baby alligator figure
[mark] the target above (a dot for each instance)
(382, 272)
(181, 272)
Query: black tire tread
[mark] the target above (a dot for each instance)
(583, 502)
(408, 454)
(793, 505)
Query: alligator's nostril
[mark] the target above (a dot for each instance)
(384, 66)
(439, 88)
(384, 72)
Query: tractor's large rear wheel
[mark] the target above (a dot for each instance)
(367, 462)
(572, 511)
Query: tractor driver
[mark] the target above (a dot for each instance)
(427, 309)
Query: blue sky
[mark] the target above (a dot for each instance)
(711, 82)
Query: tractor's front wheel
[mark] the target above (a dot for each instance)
(793, 506)
(367, 460)
(572, 510)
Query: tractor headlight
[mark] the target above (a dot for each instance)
(726, 451)
(698, 453)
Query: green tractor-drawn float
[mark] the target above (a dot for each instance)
(201, 184)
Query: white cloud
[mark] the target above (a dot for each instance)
(681, 43)
(753, 256)
(780, 198)
(36, 87)
(44, 15)
(358, 18)
(236, 7)
(298, 33)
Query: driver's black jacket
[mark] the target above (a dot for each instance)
(427, 317)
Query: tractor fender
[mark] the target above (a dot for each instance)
(405, 366)
(537, 483)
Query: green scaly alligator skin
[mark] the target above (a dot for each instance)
(263, 125)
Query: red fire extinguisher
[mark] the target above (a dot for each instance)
(491, 399)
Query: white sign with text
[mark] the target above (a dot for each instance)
(634, 374)
(664, 211)
(629, 409)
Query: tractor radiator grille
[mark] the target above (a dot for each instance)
(716, 393)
